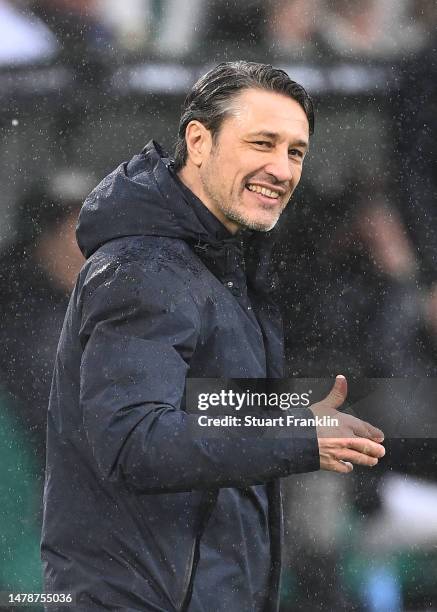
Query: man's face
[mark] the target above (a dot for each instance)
(250, 171)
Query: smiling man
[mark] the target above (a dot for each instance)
(138, 513)
(248, 174)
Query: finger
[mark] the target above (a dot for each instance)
(364, 446)
(338, 393)
(352, 456)
(343, 467)
(366, 430)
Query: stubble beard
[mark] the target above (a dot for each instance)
(232, 211)
(234, 214)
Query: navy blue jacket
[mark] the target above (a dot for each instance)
(138, 513)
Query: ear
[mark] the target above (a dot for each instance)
(199, 142)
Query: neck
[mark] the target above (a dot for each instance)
(191, 180)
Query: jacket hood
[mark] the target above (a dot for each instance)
(140, 197)
(143, 198)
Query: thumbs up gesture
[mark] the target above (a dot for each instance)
(350, 442)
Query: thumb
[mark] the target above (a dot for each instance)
(338, 393)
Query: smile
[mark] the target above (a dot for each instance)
(263, 191)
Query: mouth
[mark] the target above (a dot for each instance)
(264, 194)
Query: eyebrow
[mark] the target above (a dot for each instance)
(275, 136)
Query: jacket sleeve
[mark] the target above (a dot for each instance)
(138, 332)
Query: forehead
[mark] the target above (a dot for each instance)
(267, 111)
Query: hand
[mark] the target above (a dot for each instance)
(351, 441)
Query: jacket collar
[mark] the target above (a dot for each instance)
(216, 230)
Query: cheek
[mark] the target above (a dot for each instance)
(217, 170)
(208, 173)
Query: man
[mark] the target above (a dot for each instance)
(139, 513)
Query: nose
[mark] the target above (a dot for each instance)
(281, 168)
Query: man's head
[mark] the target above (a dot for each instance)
(244, 129)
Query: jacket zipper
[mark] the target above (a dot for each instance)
(207, 506)
(188, 575)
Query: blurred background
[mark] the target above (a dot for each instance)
(84, 84)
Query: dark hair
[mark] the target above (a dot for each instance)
(208, 101)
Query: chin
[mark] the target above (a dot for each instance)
(262, 225)
(257, 222)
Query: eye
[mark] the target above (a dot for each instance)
(263, 143)
(296, 153)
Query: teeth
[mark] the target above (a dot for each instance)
(263, 191)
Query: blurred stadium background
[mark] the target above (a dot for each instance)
(84, 84)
